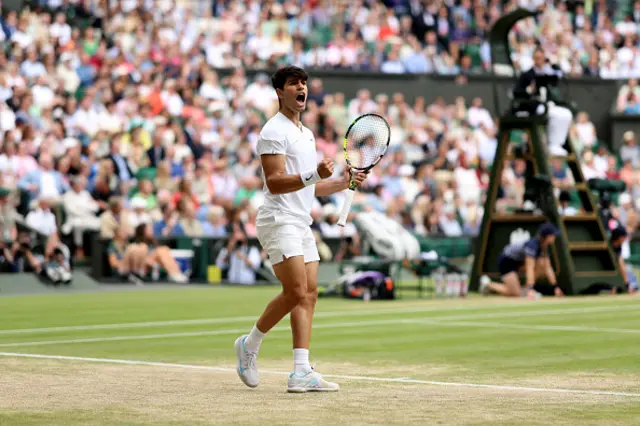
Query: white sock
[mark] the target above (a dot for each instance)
(252, 342)
(301, 361)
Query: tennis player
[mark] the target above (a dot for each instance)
(533, 257)
(293, 178)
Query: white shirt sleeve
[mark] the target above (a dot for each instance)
(271, 147)
(270, 142)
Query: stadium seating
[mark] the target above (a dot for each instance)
(86, 81)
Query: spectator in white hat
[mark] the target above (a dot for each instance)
(630, 151)
(139, 214)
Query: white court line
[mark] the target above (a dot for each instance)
(222, 320)
(335, 376)
(347, 313)
(194, 334)
(446, 323)
(442, 321)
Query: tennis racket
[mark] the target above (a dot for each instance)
(365, 143)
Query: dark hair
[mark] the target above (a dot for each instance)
(140, 237)
(618, 233)
(281, 76)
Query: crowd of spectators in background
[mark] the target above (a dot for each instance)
(117, 117)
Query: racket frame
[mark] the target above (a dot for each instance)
(346, 208)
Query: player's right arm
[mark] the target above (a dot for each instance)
(276, 178)
(279, 182)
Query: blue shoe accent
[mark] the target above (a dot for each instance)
(244, 350)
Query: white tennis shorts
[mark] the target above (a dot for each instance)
(284, 241)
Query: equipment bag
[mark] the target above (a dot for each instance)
(368, 285)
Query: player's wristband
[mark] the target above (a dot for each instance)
(310, 177)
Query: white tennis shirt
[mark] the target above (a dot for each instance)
(281, 136)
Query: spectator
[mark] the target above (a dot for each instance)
(121, 166)
(329, 228)
(449, 222)
(21, 257)
(125, 261)
(169, 225)
(156, 153)
(139, 213)
(239, 260)
(8, 230)
(80, 209)
(145, 193)
(43, 221)
(112, 219)
(626, 213)
(155, 255)
(630, 151)
(45, 181)
(589, 169)
(187, 218)
(632, 104)
(626, 90)
(583, 132)
(184, 191)
(565, 208)
(215, 226)
(70, 97)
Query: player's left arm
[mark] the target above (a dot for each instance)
(328, 187)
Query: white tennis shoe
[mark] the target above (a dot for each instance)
(310, 382)
(247, 368)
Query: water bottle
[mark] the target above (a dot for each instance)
(450, 282)
(439, 281)
(155, 273)
(464, 284)
(367, 295)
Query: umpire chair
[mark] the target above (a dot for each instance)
(581, 257)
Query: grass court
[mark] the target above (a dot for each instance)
(165, 357)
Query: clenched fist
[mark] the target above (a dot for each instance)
(325, 168)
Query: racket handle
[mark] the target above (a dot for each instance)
(346, 207)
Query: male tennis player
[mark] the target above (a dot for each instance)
(293, 178)
(533, 257)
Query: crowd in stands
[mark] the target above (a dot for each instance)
(115, 116)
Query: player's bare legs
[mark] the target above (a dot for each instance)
(312, 292)
(304, 378)
(292, 274)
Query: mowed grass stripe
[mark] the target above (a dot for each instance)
(444, 314)
(217, 306)
(448, 321)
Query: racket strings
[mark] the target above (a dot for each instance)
(367, 141)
